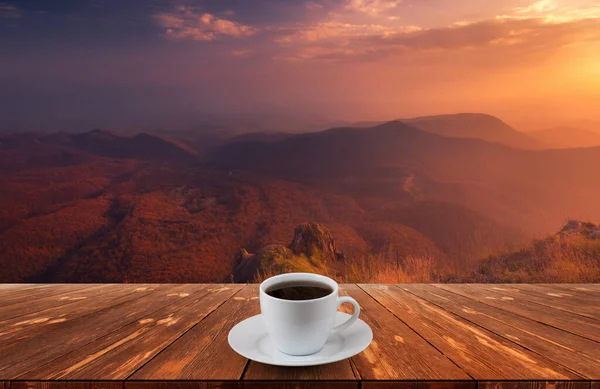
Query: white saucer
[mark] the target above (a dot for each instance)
(250, 339)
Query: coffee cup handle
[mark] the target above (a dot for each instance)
(349, 322)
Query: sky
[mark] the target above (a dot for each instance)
(80, 64)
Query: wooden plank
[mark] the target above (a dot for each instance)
(330, 372)
(397, 352)
(27, 307)
(183, 385)
(96, 344)
(577, 353)
(240, 385)
(203, 353)
(419, 385)
(31, 293)
(19, 357)
(581, 290)
(301, 385)
(28, 326)
(552, 298)
(534, 385)
(577, 324)
(479, 352)
(63, 385)
(6, 289)
(118, 354)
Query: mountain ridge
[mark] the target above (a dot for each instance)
(567, 137)
(474, 125)
(474, 172)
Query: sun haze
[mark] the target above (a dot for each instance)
(72, 65)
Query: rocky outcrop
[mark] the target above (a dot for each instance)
(313, 239)
(266, 259)
(312, 250)
(575, 227)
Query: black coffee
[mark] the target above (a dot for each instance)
(299, 291)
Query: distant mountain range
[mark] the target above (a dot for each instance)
(178, 207)
(532, 189)
(33, 150)
(142, 146)
(468, 125)
(566, 137)
(477, 126)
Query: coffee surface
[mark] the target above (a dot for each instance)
(297, 291)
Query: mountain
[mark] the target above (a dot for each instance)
(531, 190)
(402, 204)
(474, 125)
(266, 137)
(25, 151)
(141, 146)
(566, 137)
(347, 151)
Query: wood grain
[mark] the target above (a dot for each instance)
(479, 352)
(183, 385)
(301, 385)
(397, 352)
(550, 297)
(516, 336)
(9, 296)
(581, 290)
(46, 320)
(577, 353)
(577, 324)
(43, 304)
(420, 385)
(69, 335)
(6, 289)
(333, 371)
(534, 385)
(203, 353)
(118, 354)
(63, 385)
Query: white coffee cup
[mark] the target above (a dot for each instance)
(302, 327)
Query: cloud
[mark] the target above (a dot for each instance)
(537, 7)
(8, 11)
(337, 32)
(339, 41)
(186, 23)
(371, 7)
(550, 11)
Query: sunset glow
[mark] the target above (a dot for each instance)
(71, 64)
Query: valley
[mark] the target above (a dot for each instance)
(399, 199)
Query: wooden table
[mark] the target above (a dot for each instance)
(167, 335)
